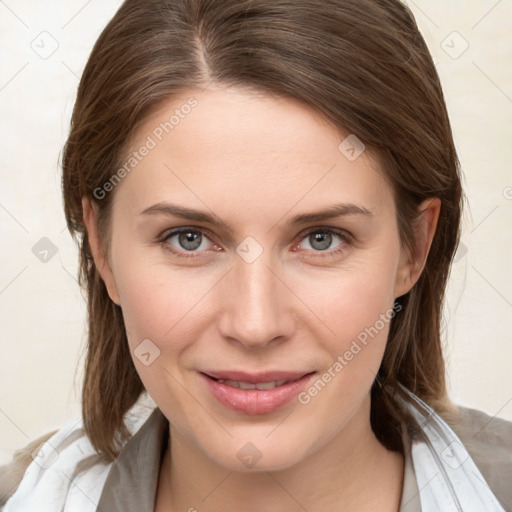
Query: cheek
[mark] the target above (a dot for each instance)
(354, 299)
(144, 312)
(357, 309)
(156, 315)
(164, 310)
(160, 313)
(158, 301)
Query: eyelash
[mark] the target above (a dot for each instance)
(345, 237)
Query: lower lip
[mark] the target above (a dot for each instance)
(256, 401)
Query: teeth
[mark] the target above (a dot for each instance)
(267, 385)
(247, 385)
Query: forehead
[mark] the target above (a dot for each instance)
(247, 150)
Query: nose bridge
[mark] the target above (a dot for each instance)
(257, 307)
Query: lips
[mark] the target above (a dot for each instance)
(255, 393)
(255, 378)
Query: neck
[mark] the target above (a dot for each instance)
(352, 471)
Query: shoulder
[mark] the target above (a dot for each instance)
(45, 473)
(12, 473)
(488, 440)
(60, 469)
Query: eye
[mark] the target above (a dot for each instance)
(187, 240)
(329, 240)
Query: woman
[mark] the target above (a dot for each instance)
(267, 200)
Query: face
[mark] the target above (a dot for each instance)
(245, 249)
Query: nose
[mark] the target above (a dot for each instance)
(257, 306)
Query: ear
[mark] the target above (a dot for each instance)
(412, 263)
(98, 254)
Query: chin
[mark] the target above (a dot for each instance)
(258, 455)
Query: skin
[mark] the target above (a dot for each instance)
(255, 161)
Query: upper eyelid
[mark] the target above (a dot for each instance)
(180, 229)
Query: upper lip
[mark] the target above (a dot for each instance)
(255, 378)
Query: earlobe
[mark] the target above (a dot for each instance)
(413, 262)
(98, 254)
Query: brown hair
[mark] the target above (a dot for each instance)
(361, 63)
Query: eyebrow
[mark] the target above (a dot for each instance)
(333, 211)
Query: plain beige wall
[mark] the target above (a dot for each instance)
(43, 51)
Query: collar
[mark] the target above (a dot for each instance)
(133, 477)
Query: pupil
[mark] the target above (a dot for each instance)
(190, 240)
(320, 241)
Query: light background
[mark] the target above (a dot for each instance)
(42, 311)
